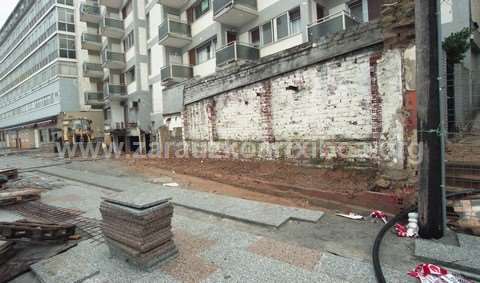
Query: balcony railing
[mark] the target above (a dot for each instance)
(92, 70)
(111, 27)
(175, 33)
(220, 5)
(122, 125)
(91, 41)
(235, 52)
(175, 73)
(115, 92)
(94, 98)
(330, 24)
(113, 60)
(90, 13)
(116, 4)
(476, 39)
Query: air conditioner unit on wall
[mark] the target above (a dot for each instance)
(132, 104)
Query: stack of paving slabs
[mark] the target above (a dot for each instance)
(138, 229)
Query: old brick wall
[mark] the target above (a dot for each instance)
(349, 109)
(343, 100)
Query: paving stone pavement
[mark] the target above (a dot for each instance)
(357, 271)
(228, 255)
(209, 253)
(464, 257)
(223, 206)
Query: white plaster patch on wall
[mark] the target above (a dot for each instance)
(332, 103)
(390, 88)
(238, 114)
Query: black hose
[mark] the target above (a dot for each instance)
(378, 240)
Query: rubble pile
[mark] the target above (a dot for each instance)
(141, 235)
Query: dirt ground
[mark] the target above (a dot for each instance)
(466, 149)
(269, 181)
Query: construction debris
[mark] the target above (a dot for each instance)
(14, 197)
(10, 173)
(37, 232)
(436, 274)
(464, 215)
(3, 181)
(140, 235)
(351, 215)
(6, 251)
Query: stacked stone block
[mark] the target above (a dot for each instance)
(141, 235)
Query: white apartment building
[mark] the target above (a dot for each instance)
(114, 42)
(198, 38)
(128, 58)
(39, 79)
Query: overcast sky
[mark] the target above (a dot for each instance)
(5, 9)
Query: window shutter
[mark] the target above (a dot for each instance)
(190, 18)
(192, 57)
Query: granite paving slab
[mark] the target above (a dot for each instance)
(357, 271)
(136, 230)
(140, 216)
(140, 244)
(64, 268)
(463, 258)
(142, 259)
(138, 200)
(238, 265)
(223, 206)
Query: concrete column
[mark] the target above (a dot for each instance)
(365, 10)
(36, 138)
(306, 11)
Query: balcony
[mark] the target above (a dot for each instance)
(93, 70)
(113, 60)
(91, 42)
(235, 13)
(112, 28)
(115, 92)
(175, 73)
(121, 126)
(116, 4)
(236, 52)
(174, 33)
(176, 4)
(90, 13)
(475, 38)
(94, 99)
(330, 24)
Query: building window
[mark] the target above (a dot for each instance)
(130, 75)
(148, 26)
(66, 20)
(255, 36)
(295, 21)
(127, 9)
(356, 10)
(67, 46)
(129, 41)
(65, 2)
(282, 26)
(197, 10)
(267, 33)
(279, 28)
(149, 61)
(206, 51)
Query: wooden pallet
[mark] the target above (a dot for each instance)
(31, 231)
(10, 173)
(9, 198)
(6, 251)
